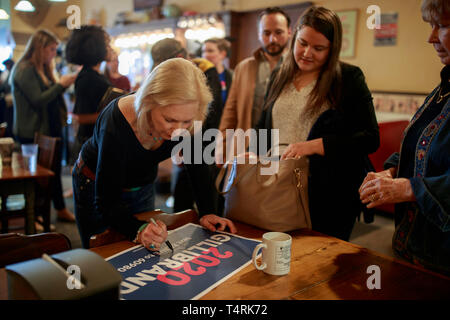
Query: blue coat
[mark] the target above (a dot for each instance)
(422, 233)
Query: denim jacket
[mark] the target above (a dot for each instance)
(422, 233)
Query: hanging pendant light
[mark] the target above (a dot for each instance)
(4, 15)
(25, 6)
(57, 0)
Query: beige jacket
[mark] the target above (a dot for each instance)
(237, 112)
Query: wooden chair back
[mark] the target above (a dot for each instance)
(171, 220)
(3, 127)
(16, 247)
(49, 154)
(48, 150)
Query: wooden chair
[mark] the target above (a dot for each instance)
(49, 151)
(391, 135)
(47, 157)
(15, 247)
(171, 220)
(3, 127)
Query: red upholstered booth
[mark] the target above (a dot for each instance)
(391, 135)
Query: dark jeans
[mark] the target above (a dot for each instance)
(89, 220)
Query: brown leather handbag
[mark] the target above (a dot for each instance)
(274, 202)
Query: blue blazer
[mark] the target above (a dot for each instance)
(422, 233)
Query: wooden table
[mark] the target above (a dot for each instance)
(323, 267)
(16, 179)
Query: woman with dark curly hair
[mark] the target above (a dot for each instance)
(88, 47)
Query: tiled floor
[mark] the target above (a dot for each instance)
(376, 236)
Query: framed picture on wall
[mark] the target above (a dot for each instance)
(349, 22)
(397, 102)
(146, 4)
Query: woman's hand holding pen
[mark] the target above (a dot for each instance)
(153, 235)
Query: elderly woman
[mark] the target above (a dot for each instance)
(114, 175)
(417, 179)
(323, 110)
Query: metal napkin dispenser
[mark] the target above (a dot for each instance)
(70, 275)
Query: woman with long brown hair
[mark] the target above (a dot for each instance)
(38, 102)
(323, 110)
(35, 88)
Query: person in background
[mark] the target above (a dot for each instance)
(323, 110)
(6, 105)
(38, 102)
(216, 50)
(251, 76)
(115, 172)
(181, 187)
(417, 179)
(88, 47)
(112, 73)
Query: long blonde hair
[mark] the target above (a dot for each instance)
(174, 81)
(34, 53)
(326, 89)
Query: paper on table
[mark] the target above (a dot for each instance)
(201, 260)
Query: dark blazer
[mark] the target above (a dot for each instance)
(350, 133)
(228, 80)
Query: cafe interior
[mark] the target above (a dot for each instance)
(400, 69)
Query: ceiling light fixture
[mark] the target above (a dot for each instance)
(4, 15)
(25, 6)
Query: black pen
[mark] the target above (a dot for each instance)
(167, 241)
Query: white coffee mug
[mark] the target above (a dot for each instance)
(276, 253)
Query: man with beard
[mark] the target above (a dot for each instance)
(251, 76)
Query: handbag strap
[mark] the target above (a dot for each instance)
(222, 173)
(269, 153)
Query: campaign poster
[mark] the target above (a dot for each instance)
(387, 34)
(201, 260)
